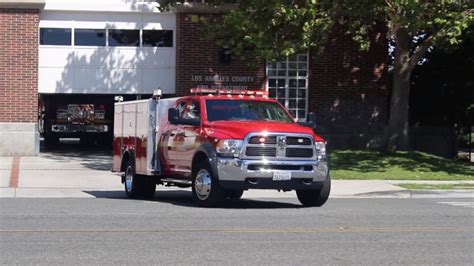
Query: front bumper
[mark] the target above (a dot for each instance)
(73, 128)
(245, 174)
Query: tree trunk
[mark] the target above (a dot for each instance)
(398, 126)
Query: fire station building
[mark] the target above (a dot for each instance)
(103, 48)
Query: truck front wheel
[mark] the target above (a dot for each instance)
(315, 197)
(206, 189)
(138, 186)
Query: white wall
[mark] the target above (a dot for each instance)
(103, 5)
(110, 70)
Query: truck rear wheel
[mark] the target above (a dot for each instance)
(206, 189)
(315, 197)
(137, 186)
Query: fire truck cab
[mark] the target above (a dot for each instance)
(218, 142)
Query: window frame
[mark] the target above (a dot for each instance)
(82, 45)
(151, 46)
(129, 46)
(71, 40)
(287, 79)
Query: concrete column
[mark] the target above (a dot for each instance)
(19, 22)
(19, 139)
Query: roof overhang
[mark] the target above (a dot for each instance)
(22, 4)
(188, 7)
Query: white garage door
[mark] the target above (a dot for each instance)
(108, 52)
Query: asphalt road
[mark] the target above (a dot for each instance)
(169, 230)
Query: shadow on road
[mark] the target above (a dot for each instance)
(388, 194)
(184, 199)
(93, 157)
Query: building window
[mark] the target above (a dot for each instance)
(89, 37)
(287, 81)
(55, 36)
(224, 56)
(157, 38)
(99, 37)
(124, 37)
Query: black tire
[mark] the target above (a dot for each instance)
(86, 141)
(206, 195)
(51, 140)
(315, 197)
(138, 186)
(105, 141)
(234, 194)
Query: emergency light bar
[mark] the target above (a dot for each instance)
(254, 92)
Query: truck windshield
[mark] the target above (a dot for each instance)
(234, 109)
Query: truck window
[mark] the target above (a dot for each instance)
(189, 110)
(233, 109)
(181, 106)
(193, 110)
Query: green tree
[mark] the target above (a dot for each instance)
(273, 29)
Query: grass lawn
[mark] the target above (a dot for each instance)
(437, 186)
(411, 165)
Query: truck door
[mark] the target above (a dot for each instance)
(173, 140)
(190, 135)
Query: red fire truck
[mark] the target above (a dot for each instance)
(218, 142)
(89, 118)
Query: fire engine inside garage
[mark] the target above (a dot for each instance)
(92, 51)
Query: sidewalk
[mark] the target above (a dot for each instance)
(78, 175)
(376, 189)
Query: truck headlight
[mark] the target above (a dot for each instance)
(320, 149)
(229, 147)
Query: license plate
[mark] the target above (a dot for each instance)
(281, 176)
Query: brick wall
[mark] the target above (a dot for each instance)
(197, 58)
(348, 87)
(18, 65)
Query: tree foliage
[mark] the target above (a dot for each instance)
(278, 28)
(271, 29)
(274, 29)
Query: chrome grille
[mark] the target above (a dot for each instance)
(278, 145)
(299, 152)
(261, 151)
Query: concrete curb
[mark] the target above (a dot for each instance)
(396, 182)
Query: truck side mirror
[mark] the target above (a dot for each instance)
(312, 119)
(174, 119)
(173, 116)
